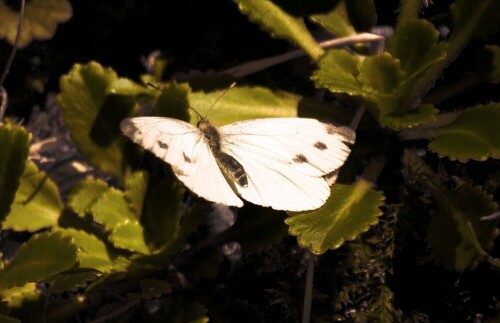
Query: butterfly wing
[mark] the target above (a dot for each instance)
(184, 147)
(285, 159)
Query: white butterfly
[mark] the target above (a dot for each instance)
(276, 162)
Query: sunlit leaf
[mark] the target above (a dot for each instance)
(136, 186)
(93, 116)
(415, 44)
(37, 203)
(173, 102)
(14, 149)
(112, 210)
(84, 194)
(278, 23)
(251, 102)
(92, 252)
(15, 296)
(381, 74)
(336, 21)
(41, 18)
(349, 211)
(473, 135)
(43, 255)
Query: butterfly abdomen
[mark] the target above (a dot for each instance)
(229, 165)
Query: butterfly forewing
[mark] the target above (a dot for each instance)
(184, 147)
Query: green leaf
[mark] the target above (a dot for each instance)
(415, 43)
(349, 211)
(336, 21)
(129, 235)
(112, 210)
(243, 103)
(475, 19)
(72, 280)
(338, 72)
(37, 203)
(14, 145)
(279, 24)
(362, 14)
(424, 113)
(473, 135)
(41, 18)
(16, 296)
(93, 117)
(92, 252)
(43, 255)
(458, 238)
(380, 74)
(136, 186)
(84, 194)
(124, 86)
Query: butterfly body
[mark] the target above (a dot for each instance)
(276, 162)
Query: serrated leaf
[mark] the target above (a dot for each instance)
(37, 203)
(14, 142)
(458, 238)
(43, 255)
(415, 44)
(129, 235)
(336, 21)
(72, 280)
(16, 296)
(475, 19)
(424, 113)
(349, 211)
(124, 86)
(136, 186)
(112, 210)
(92, 252)
(257, 228)
(473, 135)
(84, 194)
(381, 74)
(41, 18)
(338, 72)
(279, 24)
(93, 117)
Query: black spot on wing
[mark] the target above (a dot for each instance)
(186, 158)
(300, 159)
(162, 145)
(320, 145)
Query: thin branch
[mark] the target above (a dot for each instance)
(308, 293)
(16, 42)
(3, 92)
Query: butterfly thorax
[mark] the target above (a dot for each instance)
(229, 165)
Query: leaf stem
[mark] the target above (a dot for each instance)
(306, 310)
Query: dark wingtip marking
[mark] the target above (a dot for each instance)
(186, 158)
(320, 145)
(300, 159)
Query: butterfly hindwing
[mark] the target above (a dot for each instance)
(285, 159)
(184, 147)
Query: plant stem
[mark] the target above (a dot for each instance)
(306, 311)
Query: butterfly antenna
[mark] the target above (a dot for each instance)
(181, 101)
(220, 97)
